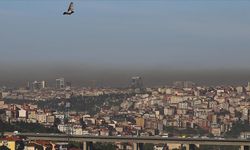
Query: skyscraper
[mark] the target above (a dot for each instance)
(183, 84)
(136, 82)
(248, 87)
(37, 85)
(60, 83)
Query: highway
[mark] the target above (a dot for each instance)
(134, 139)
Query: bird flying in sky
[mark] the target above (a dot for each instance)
(70, 9)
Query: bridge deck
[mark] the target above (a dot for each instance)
(153, 140)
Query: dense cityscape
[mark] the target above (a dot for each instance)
(183, 110)
(124, 75)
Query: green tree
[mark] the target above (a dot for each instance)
(239, 126)
(4, 147)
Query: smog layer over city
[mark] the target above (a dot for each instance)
(124, 74)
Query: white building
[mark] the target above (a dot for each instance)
(22, 113)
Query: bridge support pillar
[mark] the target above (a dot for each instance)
(190, 147)
(124, 146)
(84, 146)
(244, 147)
(165, 147)
(87, 146)
(137, 146)
(182, 147)
(141, 146)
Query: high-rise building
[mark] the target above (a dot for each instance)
(137, 83)
(37, 85)
(60, 83)
(248, 87)
(28, 86)
(188, 84)
(178, 84)
(183, 84)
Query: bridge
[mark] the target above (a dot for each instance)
(137, 141)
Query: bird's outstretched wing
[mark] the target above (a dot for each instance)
(71, 7)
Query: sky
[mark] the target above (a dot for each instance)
(206, 41)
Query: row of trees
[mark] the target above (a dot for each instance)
(239, 126)
(26, 127)
(90, 104)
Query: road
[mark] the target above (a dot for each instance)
(151, 139)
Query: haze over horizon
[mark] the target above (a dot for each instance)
(109, 41)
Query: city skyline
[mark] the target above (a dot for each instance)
(101, 83)
(111, 41)
(124, 74)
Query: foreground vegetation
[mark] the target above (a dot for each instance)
(26, 127)
(90, 104)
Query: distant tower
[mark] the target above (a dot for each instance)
(248, 87)
(43, 84)
(60, 83)
(188, 84)
(28, 85)
(38, 85)
(178, 84)
(183, 84)
(136, 82)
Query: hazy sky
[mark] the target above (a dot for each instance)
(111, 40)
